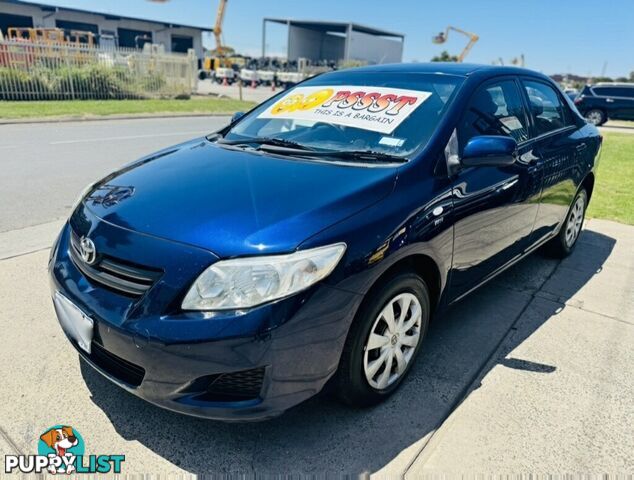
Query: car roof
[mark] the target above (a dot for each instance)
(614, 84)
(449, 68)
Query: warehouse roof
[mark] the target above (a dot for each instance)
(108, 16)
(328, 26)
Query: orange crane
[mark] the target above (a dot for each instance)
(443, 36)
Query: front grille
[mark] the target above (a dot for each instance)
(122, 370)
(231, 387)
(115, 274)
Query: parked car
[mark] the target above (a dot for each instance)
(572, 93)
(315, 238)
(606, 101)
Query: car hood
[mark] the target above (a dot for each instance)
(235, 202)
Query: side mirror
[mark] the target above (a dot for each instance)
(237, 116)
(489, 151)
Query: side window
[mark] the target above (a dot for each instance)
(625, 92)
(495, 109)
(546, 108)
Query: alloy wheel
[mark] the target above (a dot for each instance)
(575, 220)
(392, 342)
(595, 117)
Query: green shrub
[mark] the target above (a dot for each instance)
(20, 85)
(87, 82)
(153, 82)
(93, 82)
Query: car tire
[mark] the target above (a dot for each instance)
(596, 117)
(355, 384)
(564, 243)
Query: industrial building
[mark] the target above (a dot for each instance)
(109, 29)
(338, 41)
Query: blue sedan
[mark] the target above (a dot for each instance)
(314, 239)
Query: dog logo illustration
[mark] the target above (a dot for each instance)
(62, 441)
(61, 449)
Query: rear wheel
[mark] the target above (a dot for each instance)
(564, 243)
(383, 341)
(596, 116)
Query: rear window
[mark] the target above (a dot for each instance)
(627, 92)
(624, 92)
(546, 107)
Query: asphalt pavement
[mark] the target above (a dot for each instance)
(46, 165)
(532, 373)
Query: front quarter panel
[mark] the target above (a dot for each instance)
(405, 224)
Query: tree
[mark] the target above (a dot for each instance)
(445, 57)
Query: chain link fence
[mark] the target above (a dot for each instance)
(32, 71)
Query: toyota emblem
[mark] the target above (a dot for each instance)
(87, 250)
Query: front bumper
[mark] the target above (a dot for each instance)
(279, 354)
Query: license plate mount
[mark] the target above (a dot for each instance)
(76, 324)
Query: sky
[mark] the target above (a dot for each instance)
(586, 37)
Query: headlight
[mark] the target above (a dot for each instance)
(246, 282)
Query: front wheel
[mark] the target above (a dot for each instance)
(383, 341)
(564, 243)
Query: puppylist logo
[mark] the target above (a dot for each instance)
(61, 450)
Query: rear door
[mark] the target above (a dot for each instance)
(558, 146)
(624, 96)
(495, 207)
(619, 101)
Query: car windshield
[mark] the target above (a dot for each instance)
(390, 114)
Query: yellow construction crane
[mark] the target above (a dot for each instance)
(220, 56)
(220, 18)
(443, 36)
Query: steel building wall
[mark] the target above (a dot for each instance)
(314, 45)
(374, 49)
(160, 33)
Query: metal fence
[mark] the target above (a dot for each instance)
(31, 71)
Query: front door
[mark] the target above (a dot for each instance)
(494, 207)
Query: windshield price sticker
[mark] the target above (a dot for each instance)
(377, 109)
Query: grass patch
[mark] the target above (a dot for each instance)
(87, 108)
(613, 196)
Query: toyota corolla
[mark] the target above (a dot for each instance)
(313, 240)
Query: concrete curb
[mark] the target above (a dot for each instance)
(139, 116)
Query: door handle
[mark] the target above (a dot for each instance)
(609, 100)
(508, 185)
(581, 147)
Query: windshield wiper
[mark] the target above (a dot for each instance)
(276, 142)
(361, 155)
(288, 147)
(350, 155)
